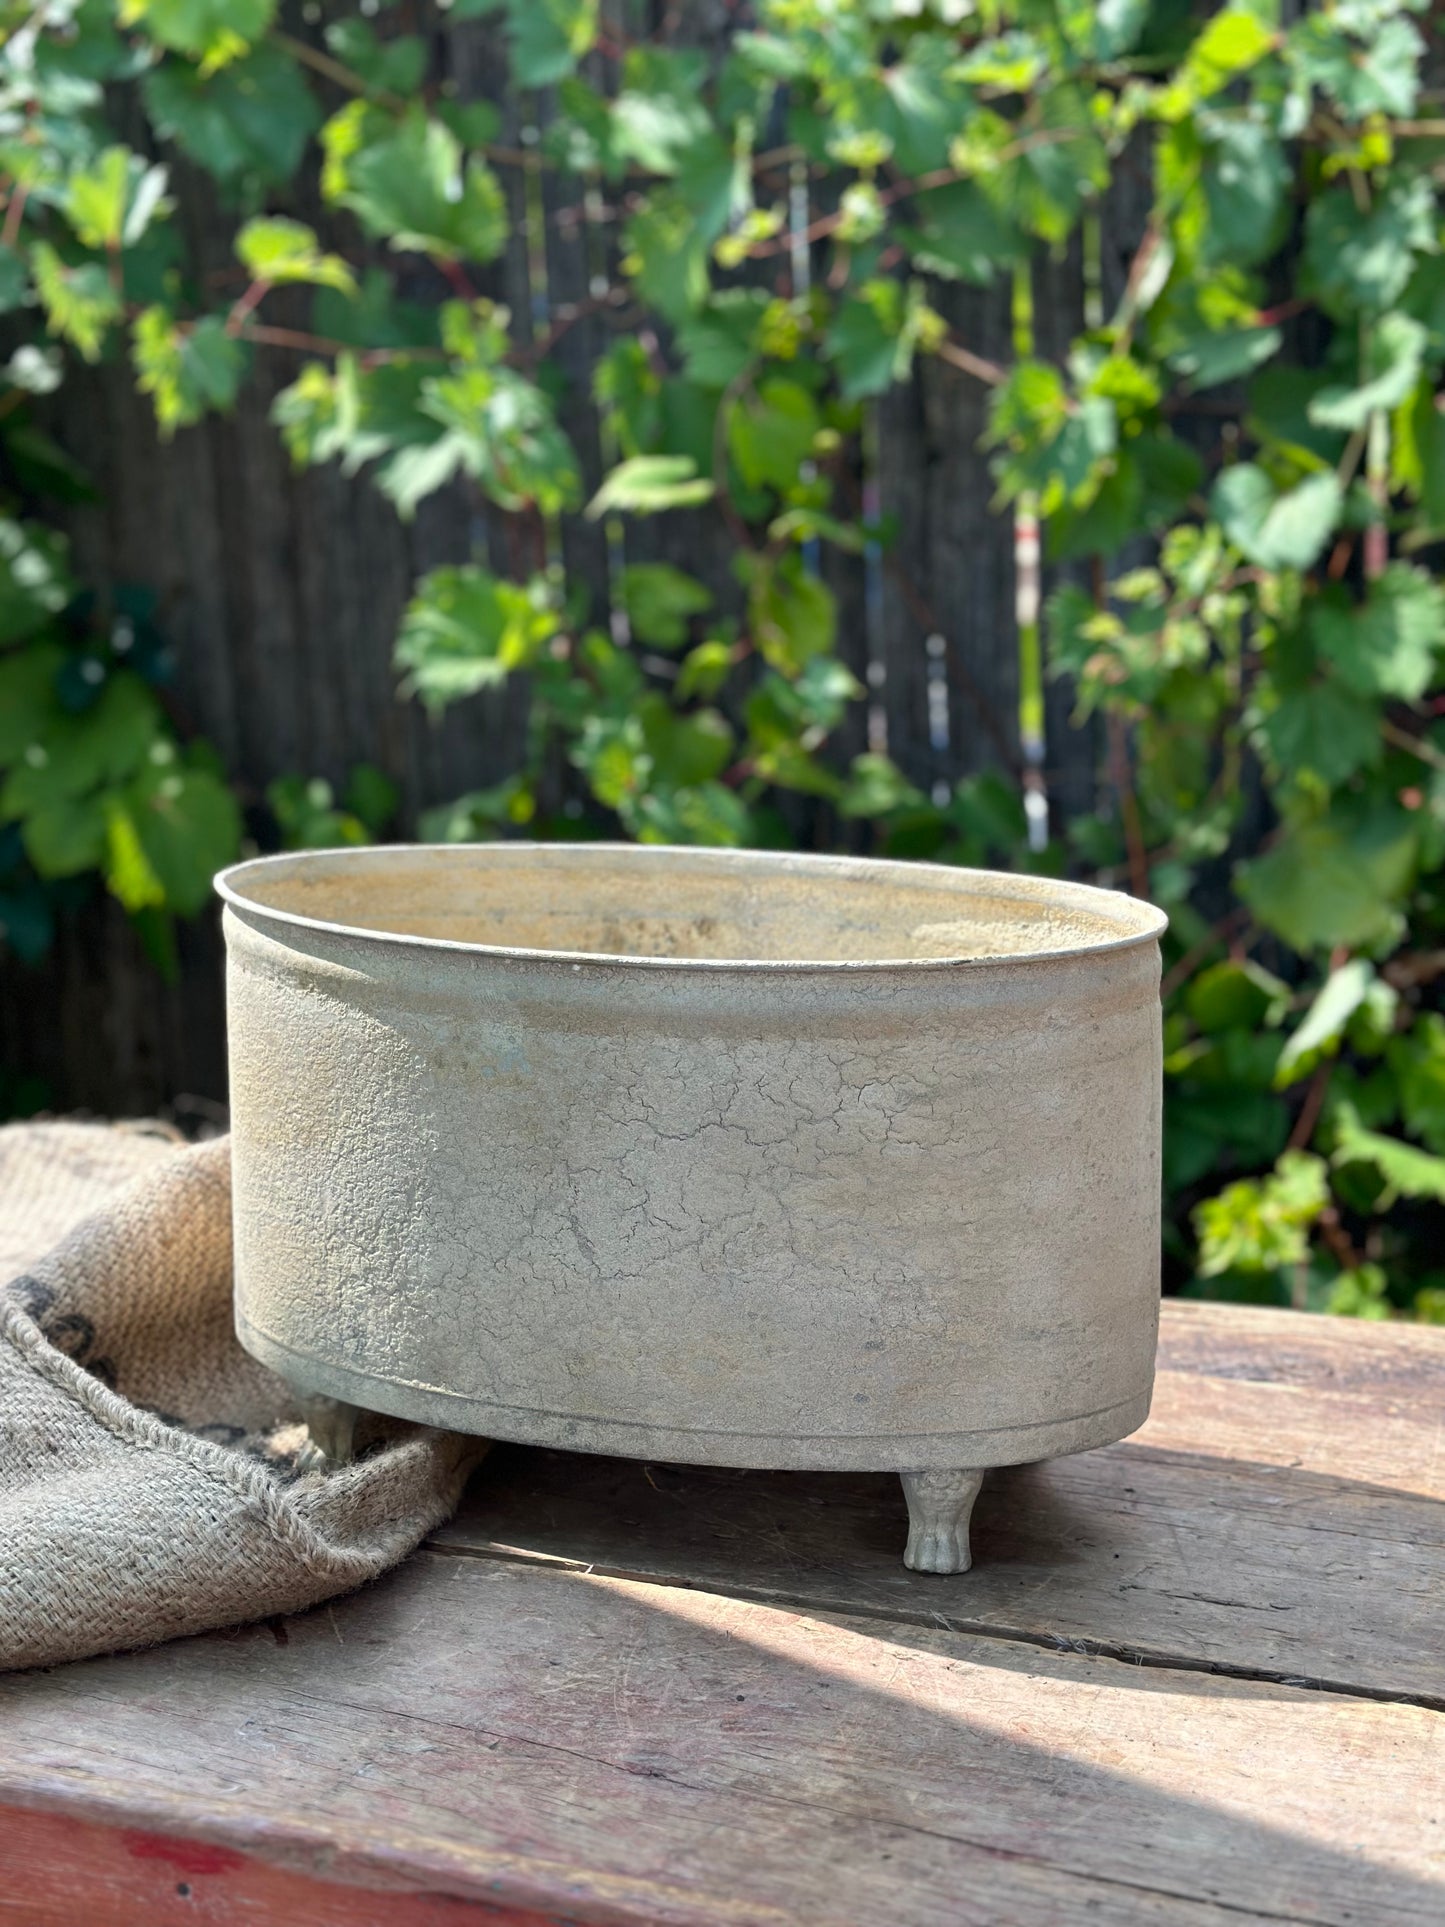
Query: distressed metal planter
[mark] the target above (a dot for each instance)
(717, 1156)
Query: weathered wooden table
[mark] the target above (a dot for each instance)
(1196, 1678)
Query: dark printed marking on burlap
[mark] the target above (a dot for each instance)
(220, 1432)
(33, 1298)
(74, 1334)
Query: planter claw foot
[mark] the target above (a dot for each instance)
(331, 1425)
(939, 1508)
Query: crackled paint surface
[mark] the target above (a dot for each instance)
(727, 1157)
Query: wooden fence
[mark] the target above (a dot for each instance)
(281, 591)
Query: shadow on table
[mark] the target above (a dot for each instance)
(666, 1755)
(1257, 1569)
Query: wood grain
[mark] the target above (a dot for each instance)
(642, 1754)
(1278, 1515)
(57, 1870)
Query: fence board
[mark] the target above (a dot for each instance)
(950, 569)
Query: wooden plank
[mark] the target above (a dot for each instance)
(1280, 1516)
(631, 1753)
(56, 1870)
(1269, 1347)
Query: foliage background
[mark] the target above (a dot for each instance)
(1178, 267)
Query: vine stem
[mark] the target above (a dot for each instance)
(335, 71)
(246, 305)
(347, 78)
(982, 369)
(266, 336)
(1309, 1115)
(14, 215)
(1415, 745)
(1377, 480)
(461, 282)
(568, 317)
(1128, 807)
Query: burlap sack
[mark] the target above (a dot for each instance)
(148, 1466)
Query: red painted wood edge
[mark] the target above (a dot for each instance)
(60, 1871)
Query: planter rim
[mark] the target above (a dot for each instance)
(1139, 922)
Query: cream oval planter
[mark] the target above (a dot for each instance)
(715, 1156)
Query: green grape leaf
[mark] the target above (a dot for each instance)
(1363, 258)
(870, 339)
(659, 601)
(961, 234)
(1279, 400)
(721, 343)
(1323, 1028)
(28, 699)
(371, 797)
(500, 428)
(649, 485)
(466, 629)
(1407, 1171)
(1246, 180)
(704, 670)
(1380, 76)
(1418, 1061)
(409, 182)
(658, 119)
(35, 584)
(1325, 729)
(66, 837)
(546, 38)
(477, 816)
(1392, 367)
(1388, 644)
(1208, 358)
(396, 66)
(771, 434)
(187, 824)
(1339, 878)
(1234, 995)
(876, 787)
(666, 256)
(706, 813)
(189, 370)
(1418, 452)
(685, 750)
(112, 202)
(1276, 531)
(283, 251)
(211, 31)
(252, 119)
(1233, 41)
(791, 614)
(1261, 1224)
(80, 302)
(76, 752)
